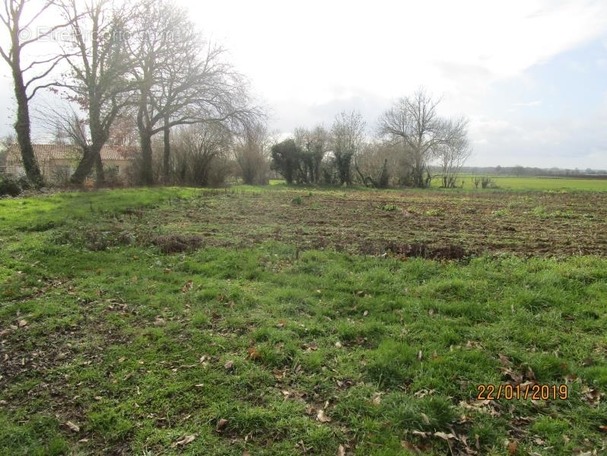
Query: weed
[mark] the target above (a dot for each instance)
(434, 212)
(500, 212)
(390, 207)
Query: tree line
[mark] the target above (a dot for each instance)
(140, 73)
(115, 63)
(412, 145)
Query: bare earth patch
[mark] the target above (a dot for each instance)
(435, 225)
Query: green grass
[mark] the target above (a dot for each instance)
(270, 350)
(543, 183)
(527, 183)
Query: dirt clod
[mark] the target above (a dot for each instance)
(176, 243)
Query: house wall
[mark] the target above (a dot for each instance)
(122, 165)
(50, 167)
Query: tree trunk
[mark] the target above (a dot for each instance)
(23, 129)
(147, 174)
(167, 152)
(91, 158)
(99, 172)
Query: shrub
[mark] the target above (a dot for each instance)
(10, 186)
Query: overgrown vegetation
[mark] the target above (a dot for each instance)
(175, 321)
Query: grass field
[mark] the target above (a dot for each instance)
(544, 183)
(303, 321)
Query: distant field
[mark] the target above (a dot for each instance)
(527, 183)
(544, 183)
(290, 321)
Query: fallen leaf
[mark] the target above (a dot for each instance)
(423, 393)
(187, 287)
(229, 365)
(320, 416)
(72, 426)
(603, 428)
(410, 447)
(341, 451)
(184, 441)
(22, 323)
(473, 344)
(442, 435)
(505, 361)
(425, 419)
(512, 448)
(310, 347)
(377, 399)
(221, 424)
(254, 353)
(592, 396)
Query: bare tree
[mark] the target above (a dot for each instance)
(181, 80)
(251, 153)
(453, 151)
(347, 139)
(70, 127)
(124, 129)
(18, 19)
(99, 65)
(376, 164)
(415, 124)
(199, 152)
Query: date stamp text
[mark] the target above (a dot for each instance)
(534, 392)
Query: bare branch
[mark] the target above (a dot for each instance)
(415, 122)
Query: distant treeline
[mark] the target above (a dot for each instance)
(535, 172)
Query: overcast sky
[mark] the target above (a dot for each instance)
(530, 75)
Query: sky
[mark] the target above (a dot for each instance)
(531, 75)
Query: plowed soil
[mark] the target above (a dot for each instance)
(431, 224)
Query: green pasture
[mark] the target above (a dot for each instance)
(122, 333)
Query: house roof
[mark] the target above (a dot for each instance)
(51, 152)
